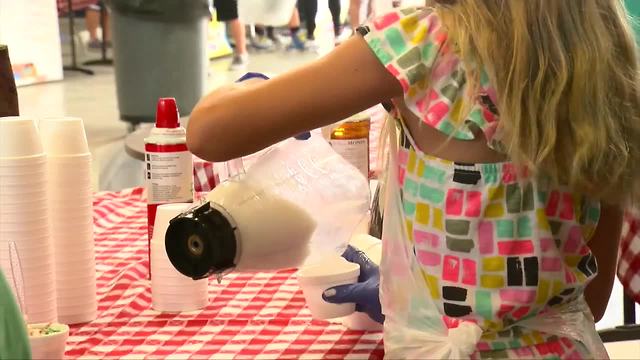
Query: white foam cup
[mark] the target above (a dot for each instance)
(315, 279)
(50, 346)
(63, 136)
(24, 165)
(72, 316)
(19, 138)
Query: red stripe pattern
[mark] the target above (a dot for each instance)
(77, 5)
(261, 315)
(629, 261)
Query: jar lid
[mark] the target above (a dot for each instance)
(330, 270)
(201, 242)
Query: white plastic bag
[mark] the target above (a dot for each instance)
(263, 12)
(420, 332)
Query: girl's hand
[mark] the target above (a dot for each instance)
(365, 293)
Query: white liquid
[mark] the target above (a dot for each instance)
(274, 232)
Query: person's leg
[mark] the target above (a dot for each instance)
(227, 11)
(92, 21)
(308, 11)
(261, 41)
(98, 8)
(294, 28)
(273, 36)
(335, 8)
(371, 9)
(294, 22)
(354, 13)
(238, 32)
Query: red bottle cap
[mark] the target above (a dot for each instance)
(167, 116)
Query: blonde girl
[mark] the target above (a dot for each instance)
(515, 142)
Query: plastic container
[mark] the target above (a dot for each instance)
(169, 164)
(299, 203)
(51, 346)
(350, 139)
(315, 279)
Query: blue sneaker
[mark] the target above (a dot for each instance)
(296, 43)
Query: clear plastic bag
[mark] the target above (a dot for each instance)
(415, 329)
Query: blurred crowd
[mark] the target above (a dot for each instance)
(300, 32)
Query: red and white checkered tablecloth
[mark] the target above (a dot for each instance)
(629, 260)
(249, 316)
(204, 178)
(77, 5)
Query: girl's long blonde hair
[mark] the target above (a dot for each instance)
(567, 81)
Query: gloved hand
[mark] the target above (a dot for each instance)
(365, 293)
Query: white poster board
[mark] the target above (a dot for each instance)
(30, 29)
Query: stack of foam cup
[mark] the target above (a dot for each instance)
(71, 204)
(170, 290)
(26, 254)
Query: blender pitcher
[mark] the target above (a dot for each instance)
(300, 202)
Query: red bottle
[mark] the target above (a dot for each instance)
(168, 163)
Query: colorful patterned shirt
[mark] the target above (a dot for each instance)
(493, 247)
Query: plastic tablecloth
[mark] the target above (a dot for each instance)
(249, 316)
(629, 261)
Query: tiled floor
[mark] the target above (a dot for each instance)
(93, 98)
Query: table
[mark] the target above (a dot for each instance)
(249, 316)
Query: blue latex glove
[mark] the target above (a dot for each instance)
(365, 293)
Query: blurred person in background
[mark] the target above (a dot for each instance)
(358, 8)
(93, 21)
(307, 11)
(266, 38)
(227, 11)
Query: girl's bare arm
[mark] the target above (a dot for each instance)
(239, 120)
(604, 246)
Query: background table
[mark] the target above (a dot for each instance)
(249, 316)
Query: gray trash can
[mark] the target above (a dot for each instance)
(160, 50)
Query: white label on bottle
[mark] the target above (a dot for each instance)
(356, 151)
(169, 177)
